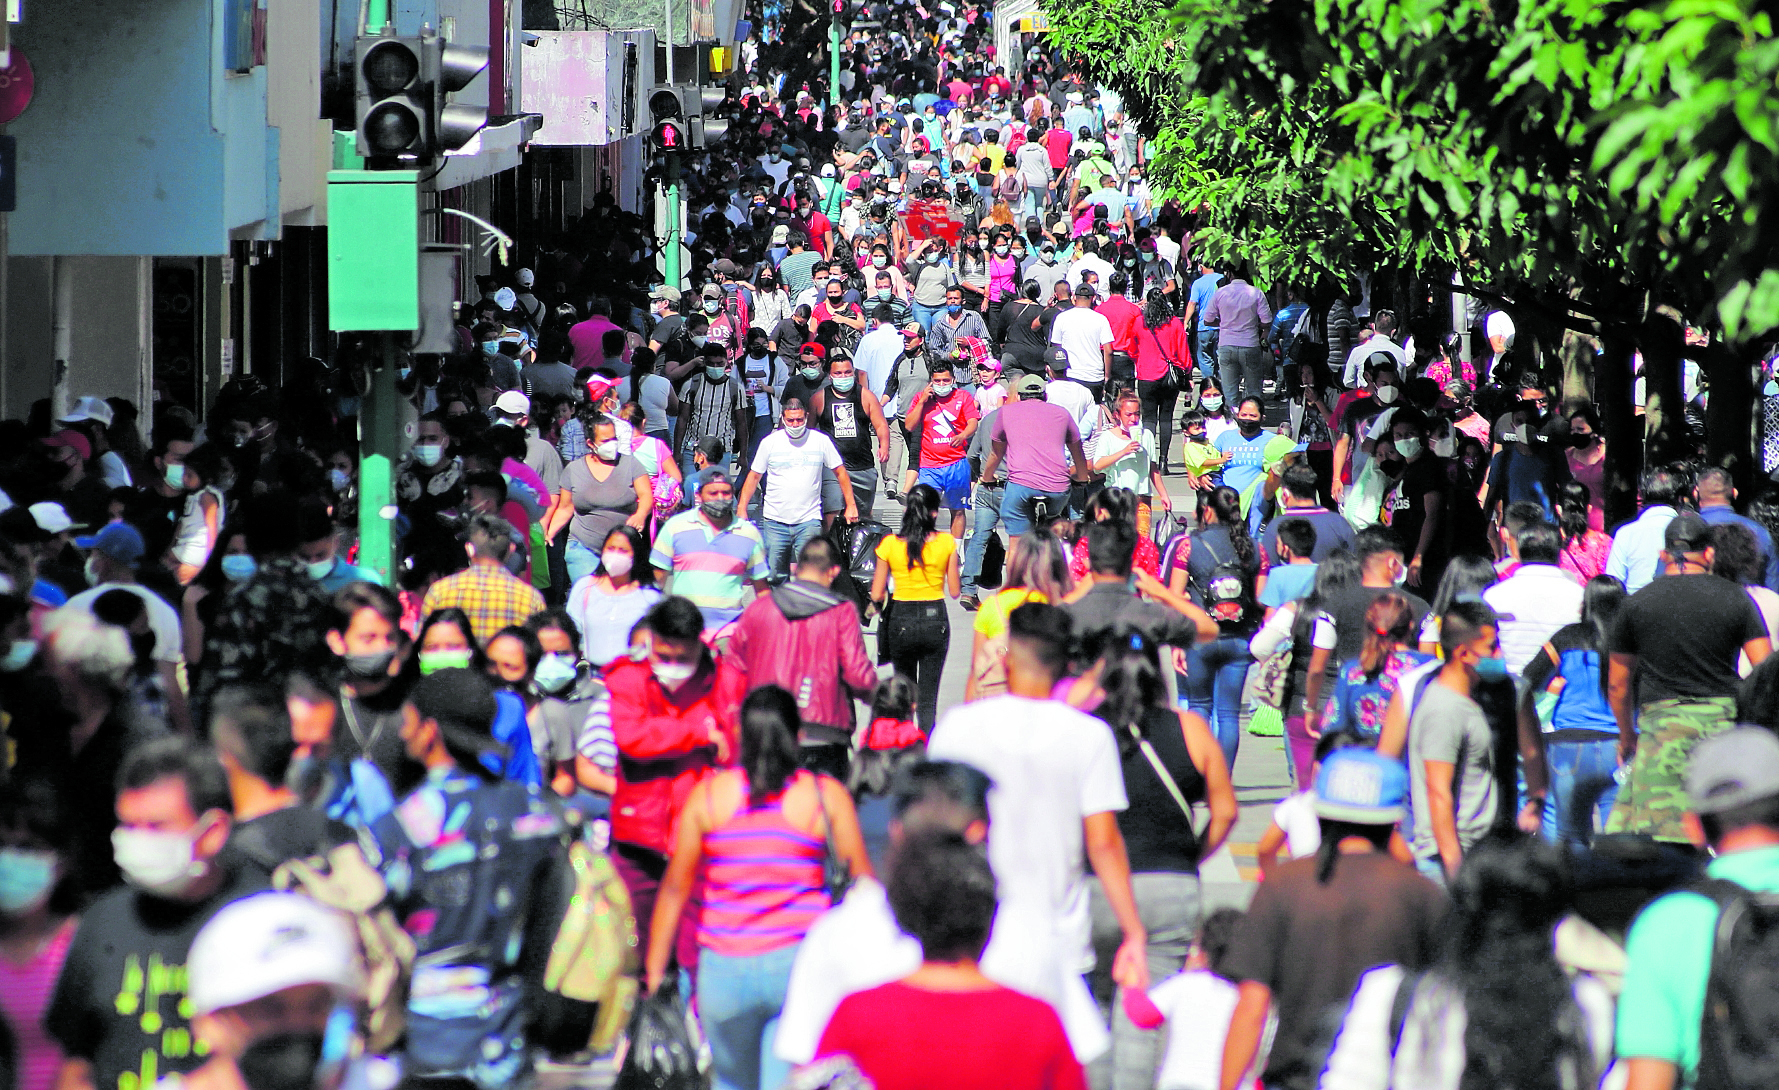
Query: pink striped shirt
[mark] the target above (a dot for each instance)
(763, 885)
(24, 996)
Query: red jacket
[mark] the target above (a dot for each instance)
(806, 640)
(664, 746)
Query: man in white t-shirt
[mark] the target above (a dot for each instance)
(792, 458)
(858, 945)
(1071, 395)
(1058, 789)
(1086, 336)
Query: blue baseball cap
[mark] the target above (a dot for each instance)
(1361, 786)
(118, 540)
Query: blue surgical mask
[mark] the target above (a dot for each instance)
(320, 569)
(238, 567)
(845, 385)
(340, 479)
(18, 656)
(954, 309)
(26, 879)
(716, 374)
(554, 673)
(1492, 669)
(490, 348)
(429, 454)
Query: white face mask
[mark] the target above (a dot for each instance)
(617, 563)
(797, 432)
(672, 675)
(1213, 402)
(429, 454)
(156, 862)
(607, 451)
(1443, 448)
(1387, 394)
(1410, 448)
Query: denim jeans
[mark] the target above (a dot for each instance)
(1169, 906)
(1205, 354)
(739, 1001)
(579, 560)
(1016, 507)
(1243, 370)
(987, 515)
(1215, 672)
(783, 540)
(926, 315)
(1582, 789)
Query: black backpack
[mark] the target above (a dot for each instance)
(1739, 1034)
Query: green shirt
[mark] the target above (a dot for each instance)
(1670, 959)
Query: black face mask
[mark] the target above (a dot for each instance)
(1248, 427)
(286, 1061)
(369, 664)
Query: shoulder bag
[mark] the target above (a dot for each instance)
(836, 872)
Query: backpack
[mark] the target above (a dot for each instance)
(1739, 1034)
(579, 959)
(1226, 592)
(342, 879)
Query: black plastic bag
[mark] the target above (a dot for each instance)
(666, 1050)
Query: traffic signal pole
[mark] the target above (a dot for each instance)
(834, 54)
(379, 448)
(670, 269)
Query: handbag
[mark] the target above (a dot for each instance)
(1177, 371)
(667, 1046)
(836, 872)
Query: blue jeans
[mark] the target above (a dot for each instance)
(1582, 789)
(1205, 355)
(579, 560)
(926, 315)
(1434, 870)
(783, 541)
(739, 1001)
(1016, 507)
(988, 515)
(1243, 369)
(1215, 672)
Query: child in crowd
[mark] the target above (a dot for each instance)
(1202, 461)
(1196, 1003)
(1295, 826)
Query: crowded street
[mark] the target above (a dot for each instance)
(1156, 545)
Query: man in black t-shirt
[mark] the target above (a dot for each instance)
(1169, 618)
(119, 1010)
(1308, 936)
(1677, 641)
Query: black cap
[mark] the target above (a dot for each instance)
(1687, 533)
(1057, 358)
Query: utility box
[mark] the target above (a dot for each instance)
(373, 250)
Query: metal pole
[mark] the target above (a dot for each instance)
(379, 447)
(62, 327)
(667, 5)
(670, 265)
(834, 58)
(376, 14)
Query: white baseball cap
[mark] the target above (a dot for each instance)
(89, 408)
(526, 278)
(505, 299)
(513, 403)
(265, 943)
(51, 517)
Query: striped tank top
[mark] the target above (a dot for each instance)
(763, 884)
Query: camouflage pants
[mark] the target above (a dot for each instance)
(1654, 797)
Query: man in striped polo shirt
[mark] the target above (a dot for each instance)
(711, 554)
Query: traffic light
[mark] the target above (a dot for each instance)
(668, 130)
(394, 103)
(449, 68)
(403, 86)
(707, 127)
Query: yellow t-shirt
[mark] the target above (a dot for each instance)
(991, 619)
(1194, 455)
(925, 583)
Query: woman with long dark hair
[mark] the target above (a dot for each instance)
(756, 835)
(1036, 572)
(1216, 567)
(1579, 734)
(1496, 1009)
(922, 561)
(1164, 359)
(1164, 848)
(1465, 578)
(1585, 548)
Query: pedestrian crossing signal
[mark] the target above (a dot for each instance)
(669, 136)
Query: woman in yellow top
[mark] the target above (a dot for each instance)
(916, 631)
(1037, 571)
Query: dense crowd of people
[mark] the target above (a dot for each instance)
(675, 578)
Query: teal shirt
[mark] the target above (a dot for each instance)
(344, 573)
(1670, 959)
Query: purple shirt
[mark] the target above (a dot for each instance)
(1037, 435)
(1238, 310)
